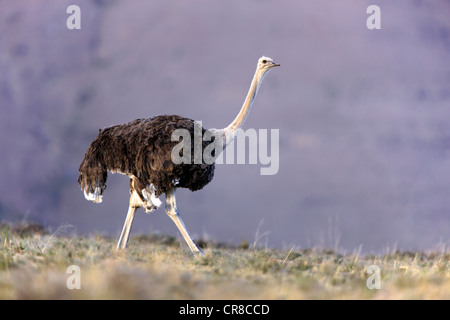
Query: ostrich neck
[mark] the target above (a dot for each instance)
(231, 130)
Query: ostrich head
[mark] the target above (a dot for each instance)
(266, 63)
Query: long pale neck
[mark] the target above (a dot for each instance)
(232, 129)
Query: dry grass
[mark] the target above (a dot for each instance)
(33, 266)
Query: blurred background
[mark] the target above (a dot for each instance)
(364, 115)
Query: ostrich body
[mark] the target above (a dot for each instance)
(142, 150)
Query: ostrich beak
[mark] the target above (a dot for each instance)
(276, 64)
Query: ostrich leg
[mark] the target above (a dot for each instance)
(123, 240)
(174, 214)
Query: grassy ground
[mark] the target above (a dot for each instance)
(33, 265)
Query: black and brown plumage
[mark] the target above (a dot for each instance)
(142, 149)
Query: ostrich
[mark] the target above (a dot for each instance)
(141, 149)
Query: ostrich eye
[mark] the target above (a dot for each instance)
(264, 61)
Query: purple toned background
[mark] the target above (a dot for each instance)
(364, 115)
